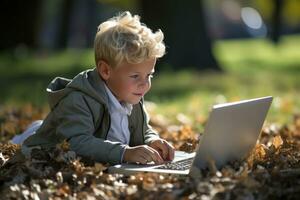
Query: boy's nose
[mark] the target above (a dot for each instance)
(144, 84)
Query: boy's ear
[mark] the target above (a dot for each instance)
(103, 69)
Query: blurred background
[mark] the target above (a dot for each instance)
(217, 51)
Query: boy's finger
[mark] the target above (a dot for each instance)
(146, 156)
(142, 160)
(155, 156)
(163, 148)
(138, 158)
(171, 151)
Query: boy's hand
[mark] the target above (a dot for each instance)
(165, 149)
(142, 154)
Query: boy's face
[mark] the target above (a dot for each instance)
(129, 82)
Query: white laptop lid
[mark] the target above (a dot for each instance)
(231, 131)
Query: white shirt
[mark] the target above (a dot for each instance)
(119, 131)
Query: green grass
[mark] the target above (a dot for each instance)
(253, 68)
(23, 78)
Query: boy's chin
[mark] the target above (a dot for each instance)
(134, 101)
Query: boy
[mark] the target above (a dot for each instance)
(100, 112)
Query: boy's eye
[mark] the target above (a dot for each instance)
(134, 76)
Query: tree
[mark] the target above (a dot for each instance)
(63, 34)
(276, 20)
(186, 36)
(19, 20)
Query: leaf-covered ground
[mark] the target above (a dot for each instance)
(271, 171)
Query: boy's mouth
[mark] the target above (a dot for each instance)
(138, 94)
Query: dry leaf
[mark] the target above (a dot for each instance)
(277, 141)
(2, 159)
(149, 184)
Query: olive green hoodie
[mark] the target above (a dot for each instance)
(79, 114)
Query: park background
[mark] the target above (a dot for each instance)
(217, 51)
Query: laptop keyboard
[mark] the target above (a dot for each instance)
(179, 165)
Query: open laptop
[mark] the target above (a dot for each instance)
(230, 133)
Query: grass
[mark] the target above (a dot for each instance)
(23, 78)
(253, 68)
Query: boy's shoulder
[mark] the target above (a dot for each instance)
(78, 100)
(86, 86)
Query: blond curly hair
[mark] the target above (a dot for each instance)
(125, 38)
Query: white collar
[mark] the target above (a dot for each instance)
(115, 105)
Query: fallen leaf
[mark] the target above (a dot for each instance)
(277, 141)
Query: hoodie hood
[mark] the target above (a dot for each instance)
(87, 82)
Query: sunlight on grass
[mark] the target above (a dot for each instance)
(253, 54)
(213, 89)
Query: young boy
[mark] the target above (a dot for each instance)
(100, 113)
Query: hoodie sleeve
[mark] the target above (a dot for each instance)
(76, 125)
(149, 133)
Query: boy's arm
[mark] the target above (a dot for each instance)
(149, 133)
(77, 127)
(153, 140)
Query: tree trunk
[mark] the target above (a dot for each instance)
(276, 21)
(63, 34)
(19, 21)
(186, 36)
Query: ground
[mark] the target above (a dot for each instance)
(270, 171)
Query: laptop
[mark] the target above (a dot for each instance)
(230, 134)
